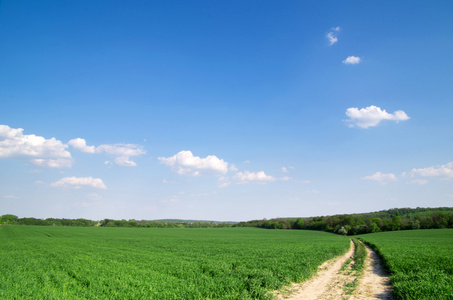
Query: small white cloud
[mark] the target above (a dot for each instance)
(39, 182)
(352, 60)
(381, 178)
(371, 116)
(444, 172)
(185, 163)
(249, 177)
(331, 36)
(120, 152)
(81, 145)
(41, 152)
(284, 170)
(78, 182)
(10, 197)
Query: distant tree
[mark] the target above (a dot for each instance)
(299, 224)
(373, 228)
(396, 223)
(9, 219)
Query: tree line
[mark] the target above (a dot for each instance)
(348, 224)
(14, 220)
(386, 220)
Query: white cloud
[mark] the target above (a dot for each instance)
(371, 116)
(10, 197)
(442, 172)
(381, 178)
(331, 36)
(81, 145)
(284, 170)
(42, 152)
(78, 182)
(249, 177)
(120, 152)
(184, 162)
(352, 60)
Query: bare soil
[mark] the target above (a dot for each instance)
(374, 283)
(336, 279)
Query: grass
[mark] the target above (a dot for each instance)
(420, 261)
(133, 263)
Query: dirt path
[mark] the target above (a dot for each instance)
(337, 280)
(374, 283)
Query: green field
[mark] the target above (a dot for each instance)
(420, 261)
(133, 263)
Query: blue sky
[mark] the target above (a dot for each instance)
(224, 110)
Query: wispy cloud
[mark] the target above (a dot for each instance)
(120, 152)
(78, 182)
(332, 35)
(371, 116)
(352, 60)
(39, 151)
(382, 178)
(185, 163)
(10, 197)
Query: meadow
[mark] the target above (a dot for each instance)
(420, 261)
(53, 262)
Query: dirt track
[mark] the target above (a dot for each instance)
(335, 278)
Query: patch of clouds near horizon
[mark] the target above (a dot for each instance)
(39, 151)
(352, 60)
(371, 116)
(120, 152)
(185, 163)
(381, 178)
(78, 182)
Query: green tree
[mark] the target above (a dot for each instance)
(9, 219)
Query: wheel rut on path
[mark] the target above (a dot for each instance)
(336, 279)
